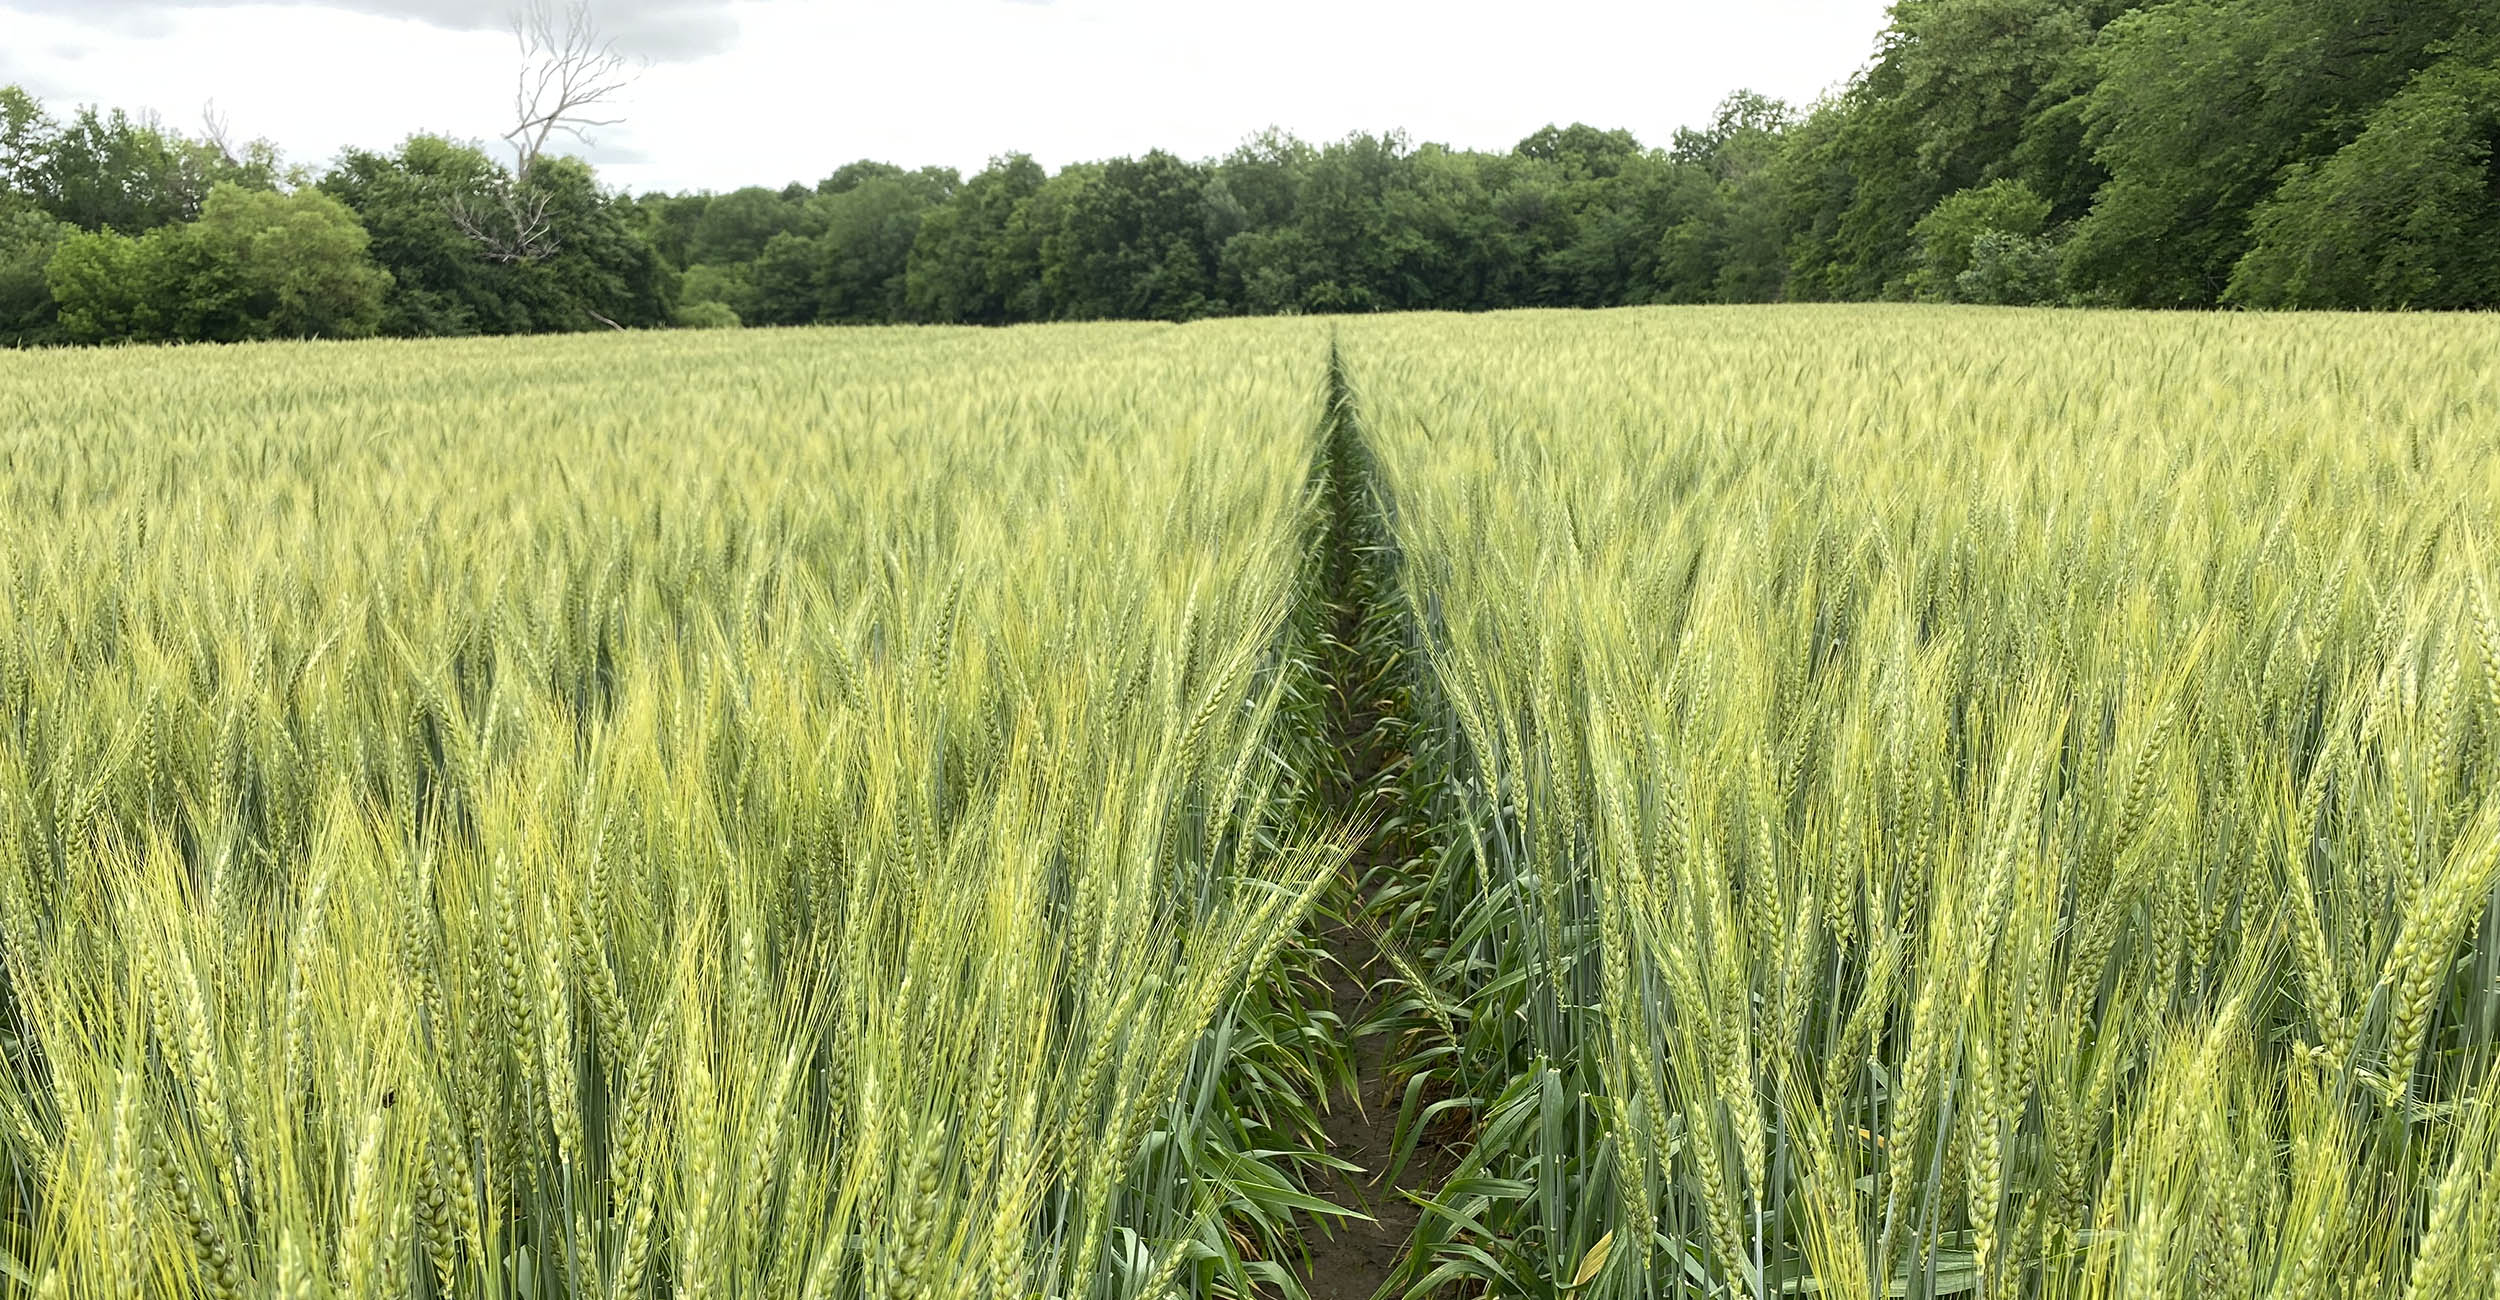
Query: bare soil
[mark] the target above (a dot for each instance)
(1356, 1257)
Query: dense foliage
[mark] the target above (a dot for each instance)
(2179, 153)
(114, 229)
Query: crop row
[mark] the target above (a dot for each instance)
(686, 818)
(1945, 803)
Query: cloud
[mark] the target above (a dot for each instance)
(660, 30)
(604, 152)
(15, 70)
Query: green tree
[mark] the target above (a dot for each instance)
(784, 279)
(1944, 236)
(1696, 239)
(29, 238)
(2009, 270)
(598, 266)
(1581, 151)
(734, 227)
(1567, 203)
(1251, 203)
(2407, 215)
(1383, 226)
(731, 286)
(256, 265)
(1134, 244)
(440, 285)
(293, 265)
(1019, 258)
(109, 170)
(669, 221)
(1611, 256)
(850, 176)
(707, 315)
(112, 287)
(848, 260)
(604, 271)
(27, 134)
(1962, 93)
(1724, 210)
(2206, 106)
(1261, 182)
(953, 270)
(863, 256)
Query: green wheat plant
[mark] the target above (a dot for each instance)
(1952, 802)
(635, 818)
(1854, 802)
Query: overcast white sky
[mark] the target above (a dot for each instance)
(771, 91)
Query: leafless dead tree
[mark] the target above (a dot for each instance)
(570, 76)
(217, 130)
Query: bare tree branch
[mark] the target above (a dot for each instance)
(217, 130)
(568, 73)
(511, 225)
(569, 81)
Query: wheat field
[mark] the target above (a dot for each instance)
(1884, 802)
(661, 819)
(1984, 802)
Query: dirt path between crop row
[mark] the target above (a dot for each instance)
(1352, 1259)
(1358, 1258)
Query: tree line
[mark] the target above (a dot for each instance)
(2177, 154)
